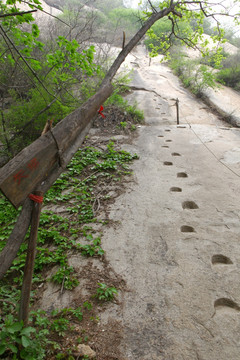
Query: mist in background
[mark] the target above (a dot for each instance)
(131, 3)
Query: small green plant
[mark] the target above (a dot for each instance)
(70, 312)
(132, 110)
(87, 305)
(60, 326)
(123, 124)
(22, 342)
(92, 250)
(64, 277)
(138, 115)
(105, 293)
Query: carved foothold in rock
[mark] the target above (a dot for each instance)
(85, 350)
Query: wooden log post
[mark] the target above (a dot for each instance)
(16, 238)
(29, 265)
(177, 108)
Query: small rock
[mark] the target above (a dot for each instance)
(86, 350)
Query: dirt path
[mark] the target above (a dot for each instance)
(177, 242)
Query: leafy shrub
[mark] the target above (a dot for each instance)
(105, 293)
(195, 76)
(24, 111)
(214, 59)
(230, 74)
(107, 5)
(126, 19)
(158, 37)
(14, 336)
(120, 102)
(230, 77)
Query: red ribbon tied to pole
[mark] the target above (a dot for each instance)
(100, 111)
(36, 198)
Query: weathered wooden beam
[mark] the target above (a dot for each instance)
(26, 171)
(18, 234)
(20, 175)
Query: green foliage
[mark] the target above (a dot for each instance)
(10, 296)
(137, 114)
(117, 99)
(123, 124)
(30, 342)
(158, 37)
(60, 326)
(8, 216)
(195, 76)
(58, 237)
(70, 312)
(105, 293)
(126, 19)
(22, 111)
(230, 78)
(229, 75)
(64, 277)
(22, 342)
(232, 36)
(59, 232)
(214, 59)
(206, 25)
(107, 5)
(31, 3)
(66, 59)
(92, 250)
(38, 79)
(87, 305)
(186, 29)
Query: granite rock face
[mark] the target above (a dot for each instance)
(178, 250)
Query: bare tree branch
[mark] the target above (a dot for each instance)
(46, 12)
(16, 61)
(17, 13)
(152, 7)
(25, 62)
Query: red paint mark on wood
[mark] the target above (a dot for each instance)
(19, 176)
(25, 173)
(33, 164)
(100, 111)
